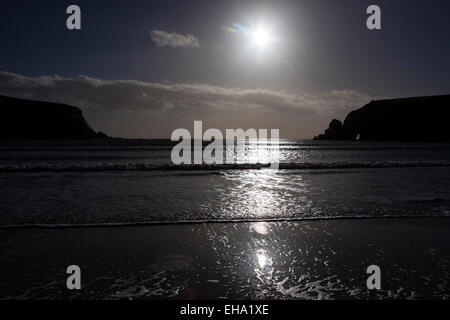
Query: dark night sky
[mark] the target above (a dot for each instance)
(323, 62)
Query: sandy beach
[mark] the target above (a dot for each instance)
(323, 259)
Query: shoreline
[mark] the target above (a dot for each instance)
(315, 259)
(200, 222)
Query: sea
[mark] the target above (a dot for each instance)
(125, 181)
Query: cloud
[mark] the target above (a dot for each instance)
(132, 95)
(167, 39)
(228, 106)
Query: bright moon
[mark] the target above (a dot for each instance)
(261, 37)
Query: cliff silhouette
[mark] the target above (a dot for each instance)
(29, 119)
(418, 119)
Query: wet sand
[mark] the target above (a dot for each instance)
(324, 259)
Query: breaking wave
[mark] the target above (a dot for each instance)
(99, 167)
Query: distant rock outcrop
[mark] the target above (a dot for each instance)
(421, 119)
(28, 119)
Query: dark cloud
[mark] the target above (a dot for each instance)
(183, 100)
(131, 95)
